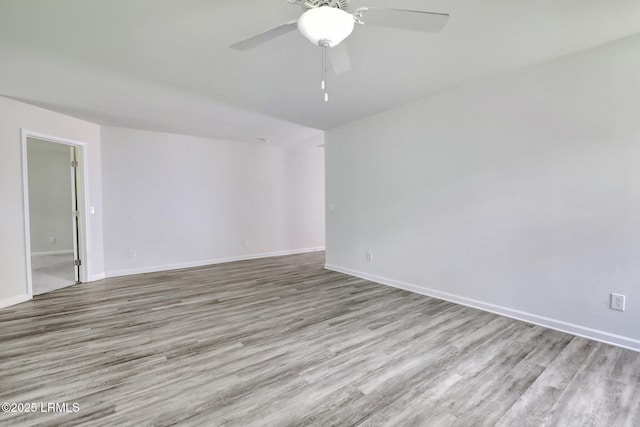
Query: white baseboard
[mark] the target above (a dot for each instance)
(191, 264)
(558, 325)
(7, 302)
(96, 277)
(38, 254)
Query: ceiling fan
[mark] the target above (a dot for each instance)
(326, 23)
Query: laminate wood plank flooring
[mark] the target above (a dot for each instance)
(283, 342)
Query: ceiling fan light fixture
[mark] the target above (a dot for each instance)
(326, 25)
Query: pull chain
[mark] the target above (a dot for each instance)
(323, 84)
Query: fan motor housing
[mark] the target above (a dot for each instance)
(338, 4)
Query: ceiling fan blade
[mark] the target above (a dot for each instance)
(430, 22)
(265, 36)
(339, 56)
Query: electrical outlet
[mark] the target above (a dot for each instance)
(369, 256)
(132, 253)
(52, 240)
(617, 302)
(245, 242)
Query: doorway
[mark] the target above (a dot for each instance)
(53, 184)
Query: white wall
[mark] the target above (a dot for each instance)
(49, 196)
(15, 115)
(180, 201)
(519, 195)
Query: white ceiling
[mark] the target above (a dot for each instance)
(166, 65)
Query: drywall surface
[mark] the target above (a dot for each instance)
(49, 176)
(15, 116)
(519, 195)
(177, 201)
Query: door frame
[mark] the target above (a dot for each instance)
(82, 192)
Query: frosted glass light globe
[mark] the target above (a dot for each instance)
(326, 24)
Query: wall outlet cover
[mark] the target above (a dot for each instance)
(617, 302)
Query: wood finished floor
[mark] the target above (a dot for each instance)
(282, 342)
